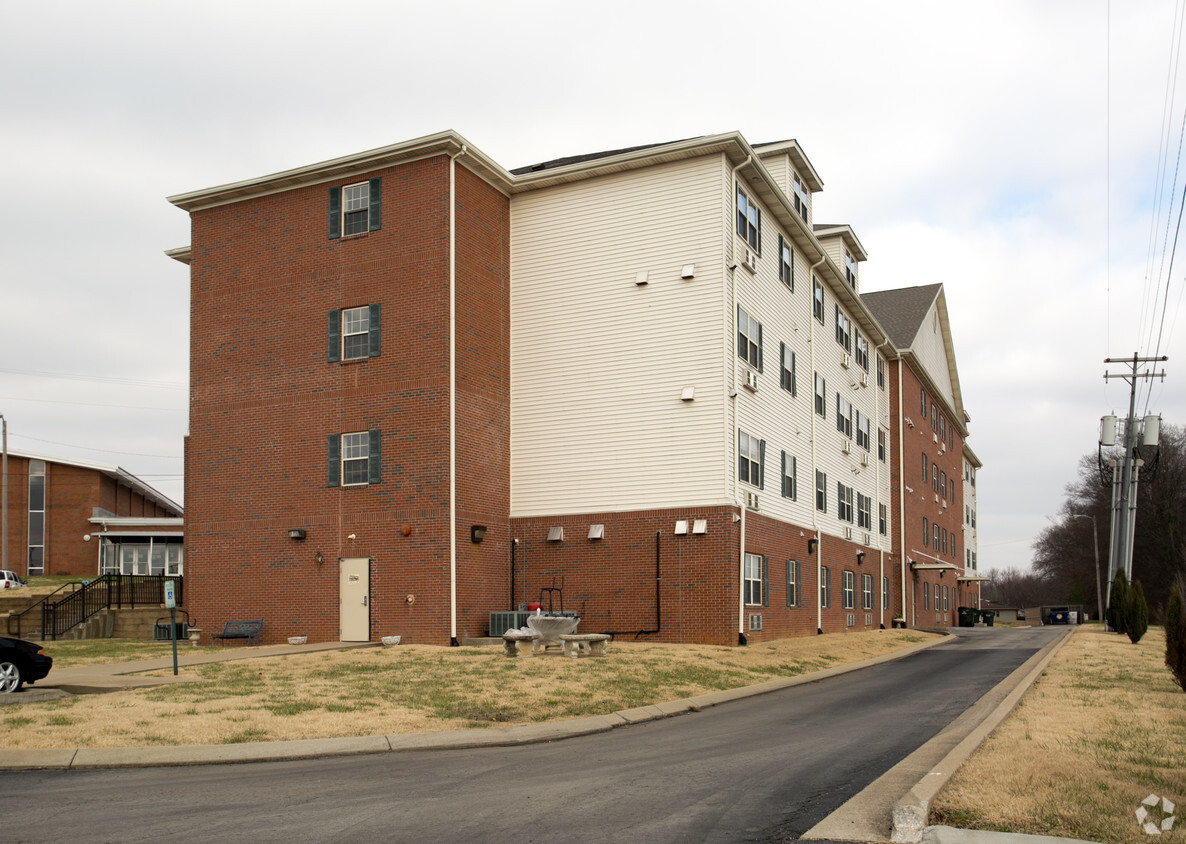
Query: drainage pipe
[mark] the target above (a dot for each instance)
(453, 395)
(819, 550)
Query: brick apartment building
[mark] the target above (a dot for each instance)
(67, 517)
(424, 388)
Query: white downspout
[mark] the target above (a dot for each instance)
(902, 495)
(819, 549)
(881, 551)
(453, 394)
(732, 268)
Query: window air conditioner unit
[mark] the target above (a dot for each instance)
(909, 421)
(755, 621)
(846, 361)
(751, 501)
(936, 498)
(751, 380)
(934, 438)
(750, 261)
(865, 458)
(868, 539)
(847, 533)
(845, 445)
(864, 379)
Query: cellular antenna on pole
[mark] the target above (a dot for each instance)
(1126, 471)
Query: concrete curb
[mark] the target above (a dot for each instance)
(157, 756)
(911, 812)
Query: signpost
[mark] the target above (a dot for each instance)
(171, 604)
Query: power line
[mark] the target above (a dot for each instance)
(105, 379)
(103, 450)
(94, 404)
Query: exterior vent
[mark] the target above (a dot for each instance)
(864, 379)
(755, 621)
(750, 261)
(846, 361)
(847, 532)
(909, 421)
(851, 619)
(864, 458)
(751, 501)
(751, 380)
(868, 539)
(936, 498)
(934, 438)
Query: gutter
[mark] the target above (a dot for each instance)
(731, 267)
(453, 395)
(819, 551)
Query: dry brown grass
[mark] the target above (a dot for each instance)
(1101, 730)
(416, 688)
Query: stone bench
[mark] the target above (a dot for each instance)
(517, 643)
(585, 644)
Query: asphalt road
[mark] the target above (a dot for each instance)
(766, 768)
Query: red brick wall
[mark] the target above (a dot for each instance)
(264, 399)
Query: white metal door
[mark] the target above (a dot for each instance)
(354, 593)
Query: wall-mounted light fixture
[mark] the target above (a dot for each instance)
(406, 530)
(812, 544)
(320, 559)
(296, 533)
(477, 533)
(860, 558)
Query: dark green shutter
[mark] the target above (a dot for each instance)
(783, 375)
(335, 212)
(375, 195)
(374, 457)
(784, 474)
(333, 445)
(762, 464)
(794, 477)
(794, 376)
(759, 347)
(373, 336)
(334, 343)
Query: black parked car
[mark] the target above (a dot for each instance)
(21, 662)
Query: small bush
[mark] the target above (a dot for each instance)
(1175, 637)
(1118, 604)
(1138, 613)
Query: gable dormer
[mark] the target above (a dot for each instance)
(794, 174)
(846, 252)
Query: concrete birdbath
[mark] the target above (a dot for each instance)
(551, 627)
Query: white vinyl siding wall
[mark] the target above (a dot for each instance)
(598, 363)
(932, 354)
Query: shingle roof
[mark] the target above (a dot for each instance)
(901, 312)
(591, 156)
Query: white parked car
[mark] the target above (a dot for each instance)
(9, 580)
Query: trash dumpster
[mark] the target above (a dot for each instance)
(967, 616)
(987, 616)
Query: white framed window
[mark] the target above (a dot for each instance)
(35, 554)
(926, 532)
(825, 586)
(790, 474)
(749, 339)
(787, 377)
(755, 565)
(881, 444)
(844, 506)
(848, 589)
(862, 350)
(749, 221)
(821, 491)
(821, 395)
(794, 579)
(866, 591)
(750, 454)
(786, 263)
(354, 458)
(850, 270)
(356, 332)
(882, 526)
(799, 195)
(356, 203)
(844, 416)
(946, 594)
(926, 598)
(862, 426)
(843, 330)
(864, 511)
(885, 598)
(881, 372)
(817, 300)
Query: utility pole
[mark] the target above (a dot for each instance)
(1124, 496)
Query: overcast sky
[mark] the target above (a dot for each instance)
(1010, 150)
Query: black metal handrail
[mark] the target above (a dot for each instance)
(19, 617)
(109, 591)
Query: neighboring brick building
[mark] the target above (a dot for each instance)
(67, 517)
(648, 368)
(930, 432)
